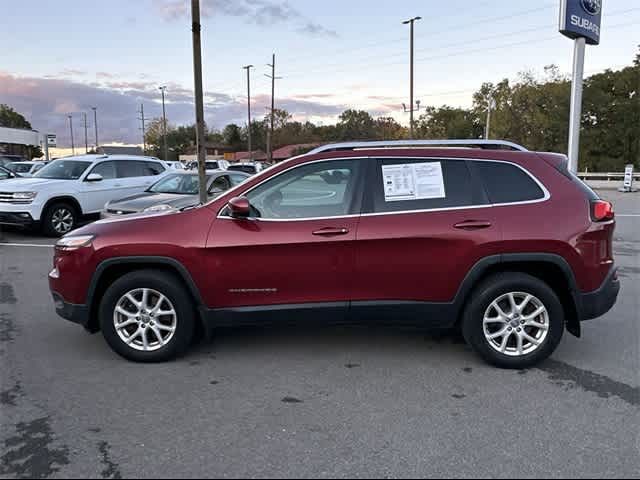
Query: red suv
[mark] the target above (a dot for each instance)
(501, 242)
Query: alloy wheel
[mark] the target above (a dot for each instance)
(145, 319)
(516, 324)
(62, 220)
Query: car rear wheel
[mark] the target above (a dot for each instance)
(514, 320)
(59, 219)
(147, 316)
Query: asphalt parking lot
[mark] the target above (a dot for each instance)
(338, 402)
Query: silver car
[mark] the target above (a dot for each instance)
(173, 192)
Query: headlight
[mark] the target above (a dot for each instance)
(159, 208)
(25, 195)
(74, 242)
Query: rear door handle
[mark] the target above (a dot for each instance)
(331, 232)
(472, 225)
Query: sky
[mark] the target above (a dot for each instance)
(63, 58)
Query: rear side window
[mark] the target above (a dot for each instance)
(507, 183)
(138, 168)
(423, 184)
(153, 168)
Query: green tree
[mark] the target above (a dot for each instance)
(356, 125)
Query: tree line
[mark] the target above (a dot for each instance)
(533, 110)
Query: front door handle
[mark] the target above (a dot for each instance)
(331, 232)
(472, 225)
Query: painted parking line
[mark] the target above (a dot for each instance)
(34, 245)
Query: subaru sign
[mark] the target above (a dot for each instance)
(581, 18)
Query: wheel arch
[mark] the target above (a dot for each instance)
(63, 199)
(550, 268)
(110, 270)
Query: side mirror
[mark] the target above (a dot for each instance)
(239, 207)
(94, 177)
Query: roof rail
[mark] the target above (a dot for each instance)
(485, 144)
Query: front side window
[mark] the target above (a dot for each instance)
(177, 183)
(406, 184)
(236, 179)
(3, 175)
(324, 189)
(107, 170)
(63, 170)
(220, 184)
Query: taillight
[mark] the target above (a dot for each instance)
(601, 211)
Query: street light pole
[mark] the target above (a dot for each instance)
(95, 124)
(249, 149)
(491, 104)
(86, 141)
(273, 94)
(197, 74)
(73, 147)
(164, 117)
(411, 107)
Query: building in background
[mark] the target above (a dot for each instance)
(18, 141)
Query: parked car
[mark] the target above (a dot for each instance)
(6, 174)
(69, 189)
(5, 160)
(26, 169)
(174, 192)
(503, 243)
(210, 165)
(176, 165)
(248, 167)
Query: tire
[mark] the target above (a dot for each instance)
(59, 219)
(140, 340)
(481, 320)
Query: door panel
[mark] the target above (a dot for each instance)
(426, 224)
(298, 248)
(254, 262)
(96, 194)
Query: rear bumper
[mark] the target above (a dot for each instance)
(74, 313)
(595, 304)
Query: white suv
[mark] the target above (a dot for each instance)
(66, 190)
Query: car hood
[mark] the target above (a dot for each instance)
(137, 203)
(28, 184)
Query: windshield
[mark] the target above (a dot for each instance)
(63, 170)
(180, 184)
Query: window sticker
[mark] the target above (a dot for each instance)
(413, 181)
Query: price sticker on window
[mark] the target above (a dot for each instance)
(413, 181)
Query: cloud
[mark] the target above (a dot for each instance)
(258, 12)
(46, 103)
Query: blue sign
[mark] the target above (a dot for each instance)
(581, 18)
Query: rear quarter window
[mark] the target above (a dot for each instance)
(507, 183)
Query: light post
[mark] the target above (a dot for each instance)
(411, 107)
(164, 124)
(491, 105)
(248, 68)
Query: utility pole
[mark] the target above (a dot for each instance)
(197, 74)
(95, 124)
(73, 147)
(491, 105)
(249, 149)
(144, 131)
(273, 94)
(164, 114)
(86, 140)
(411, 104)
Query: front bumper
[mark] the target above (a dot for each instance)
(20, 219)
(595, 304)
(74, 313)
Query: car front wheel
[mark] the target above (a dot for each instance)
(59, 219)
(147, 316)
(514, 320)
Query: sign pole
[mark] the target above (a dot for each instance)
(46, 148)
(576, 103)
